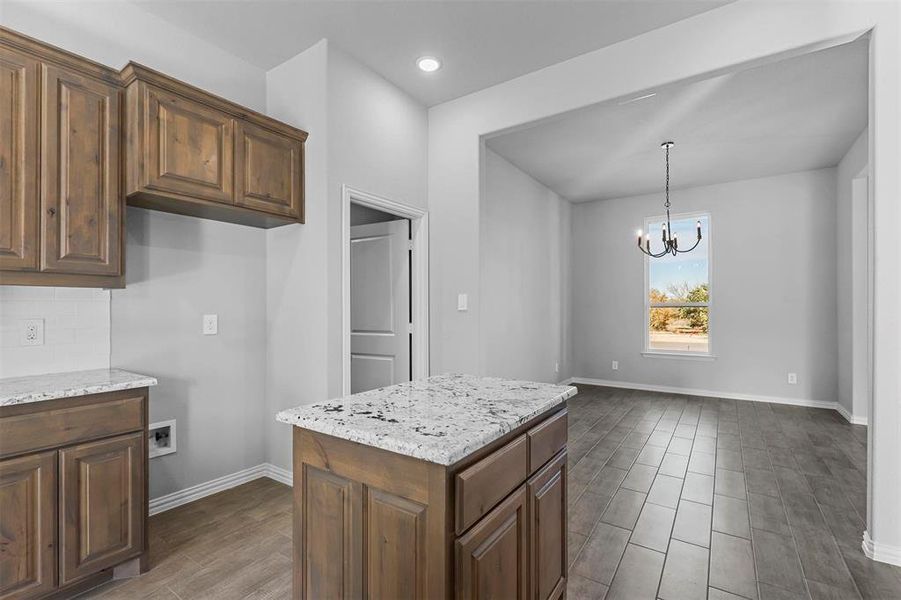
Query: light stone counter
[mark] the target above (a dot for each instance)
(441, 419)
(36, 388)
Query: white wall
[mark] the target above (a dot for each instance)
(365, 133)
(377, 143)
(76, 329)
(178, 268)
(772, 285)
(852, 246)
(525, 240)
(738, 34)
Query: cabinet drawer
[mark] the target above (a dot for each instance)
(546, 439)
(481, 486)
(66, 424)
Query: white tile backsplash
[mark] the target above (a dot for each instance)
(76, 329)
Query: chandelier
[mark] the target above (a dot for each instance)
(670, 239)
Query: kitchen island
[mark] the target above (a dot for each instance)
(452, 486)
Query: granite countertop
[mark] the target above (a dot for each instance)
(441, 419)
(35, 388)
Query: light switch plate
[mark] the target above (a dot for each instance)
(462, 302)
(210, 324)
(33, 332)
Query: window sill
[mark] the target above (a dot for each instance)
(679, 355)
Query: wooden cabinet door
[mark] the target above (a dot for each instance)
(394, 539)
(547, 530)
(81, 203)
(27, 526)
(189, 148)
(328, 561)
(268, 171)
(101, 505)
(492, 557)
(19, 200)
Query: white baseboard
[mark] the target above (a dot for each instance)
(854, 420)
(669, 389)
(880, 552)
(208, 488)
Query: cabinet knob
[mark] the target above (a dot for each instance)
(52, 211)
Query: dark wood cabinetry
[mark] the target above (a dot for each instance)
(61, 201)
(373, 523)
(28, 567)
(190, 152)
(78, 138)
(492, 558)
(73, 492)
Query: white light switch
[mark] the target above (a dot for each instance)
(462, 302)
(210, 324)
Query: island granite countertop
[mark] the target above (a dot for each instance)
(441, 419)
(36, 388)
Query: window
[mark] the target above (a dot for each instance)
(677, 298)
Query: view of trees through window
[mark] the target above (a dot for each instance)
(679, 291)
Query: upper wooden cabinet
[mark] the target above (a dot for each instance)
(61, 205)
(190, 152)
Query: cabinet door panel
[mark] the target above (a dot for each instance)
(190, 148)
(268, 171)
(395, 543)
(101, 495)
(19, 200)
(27, 526)
(80, 189)
(332, 561)
(492, 556)
(547, 530)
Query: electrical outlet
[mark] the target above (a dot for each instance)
(793, 378)
(210, 324)
(556, 367)
(462, 302)
(615, 365)
(33, 332)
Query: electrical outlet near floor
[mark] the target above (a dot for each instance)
(793, 378)
(615, 365)
(33, 332)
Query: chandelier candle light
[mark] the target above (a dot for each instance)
(670, 239)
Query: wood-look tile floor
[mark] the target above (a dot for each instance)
(670, 497)
(684, 497)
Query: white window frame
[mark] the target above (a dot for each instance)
(647, 352)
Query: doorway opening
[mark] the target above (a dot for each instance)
(384, 292)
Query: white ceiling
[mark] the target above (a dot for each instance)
(797, 114)
(480, 42)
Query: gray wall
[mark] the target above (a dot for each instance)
(178, 269)
(851, 237)
(773, 288)
(524, 233)
(366, 133)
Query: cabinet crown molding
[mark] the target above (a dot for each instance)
(137, 72)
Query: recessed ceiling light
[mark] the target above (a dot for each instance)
(429, 64)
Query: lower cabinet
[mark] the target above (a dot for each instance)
(28, 526)
(101, 494)
(492, 558)
(73, 493)
(547, 530)
(369, 523)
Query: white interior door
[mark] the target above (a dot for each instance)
(379, 305)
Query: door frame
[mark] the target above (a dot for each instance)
(419, 278)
